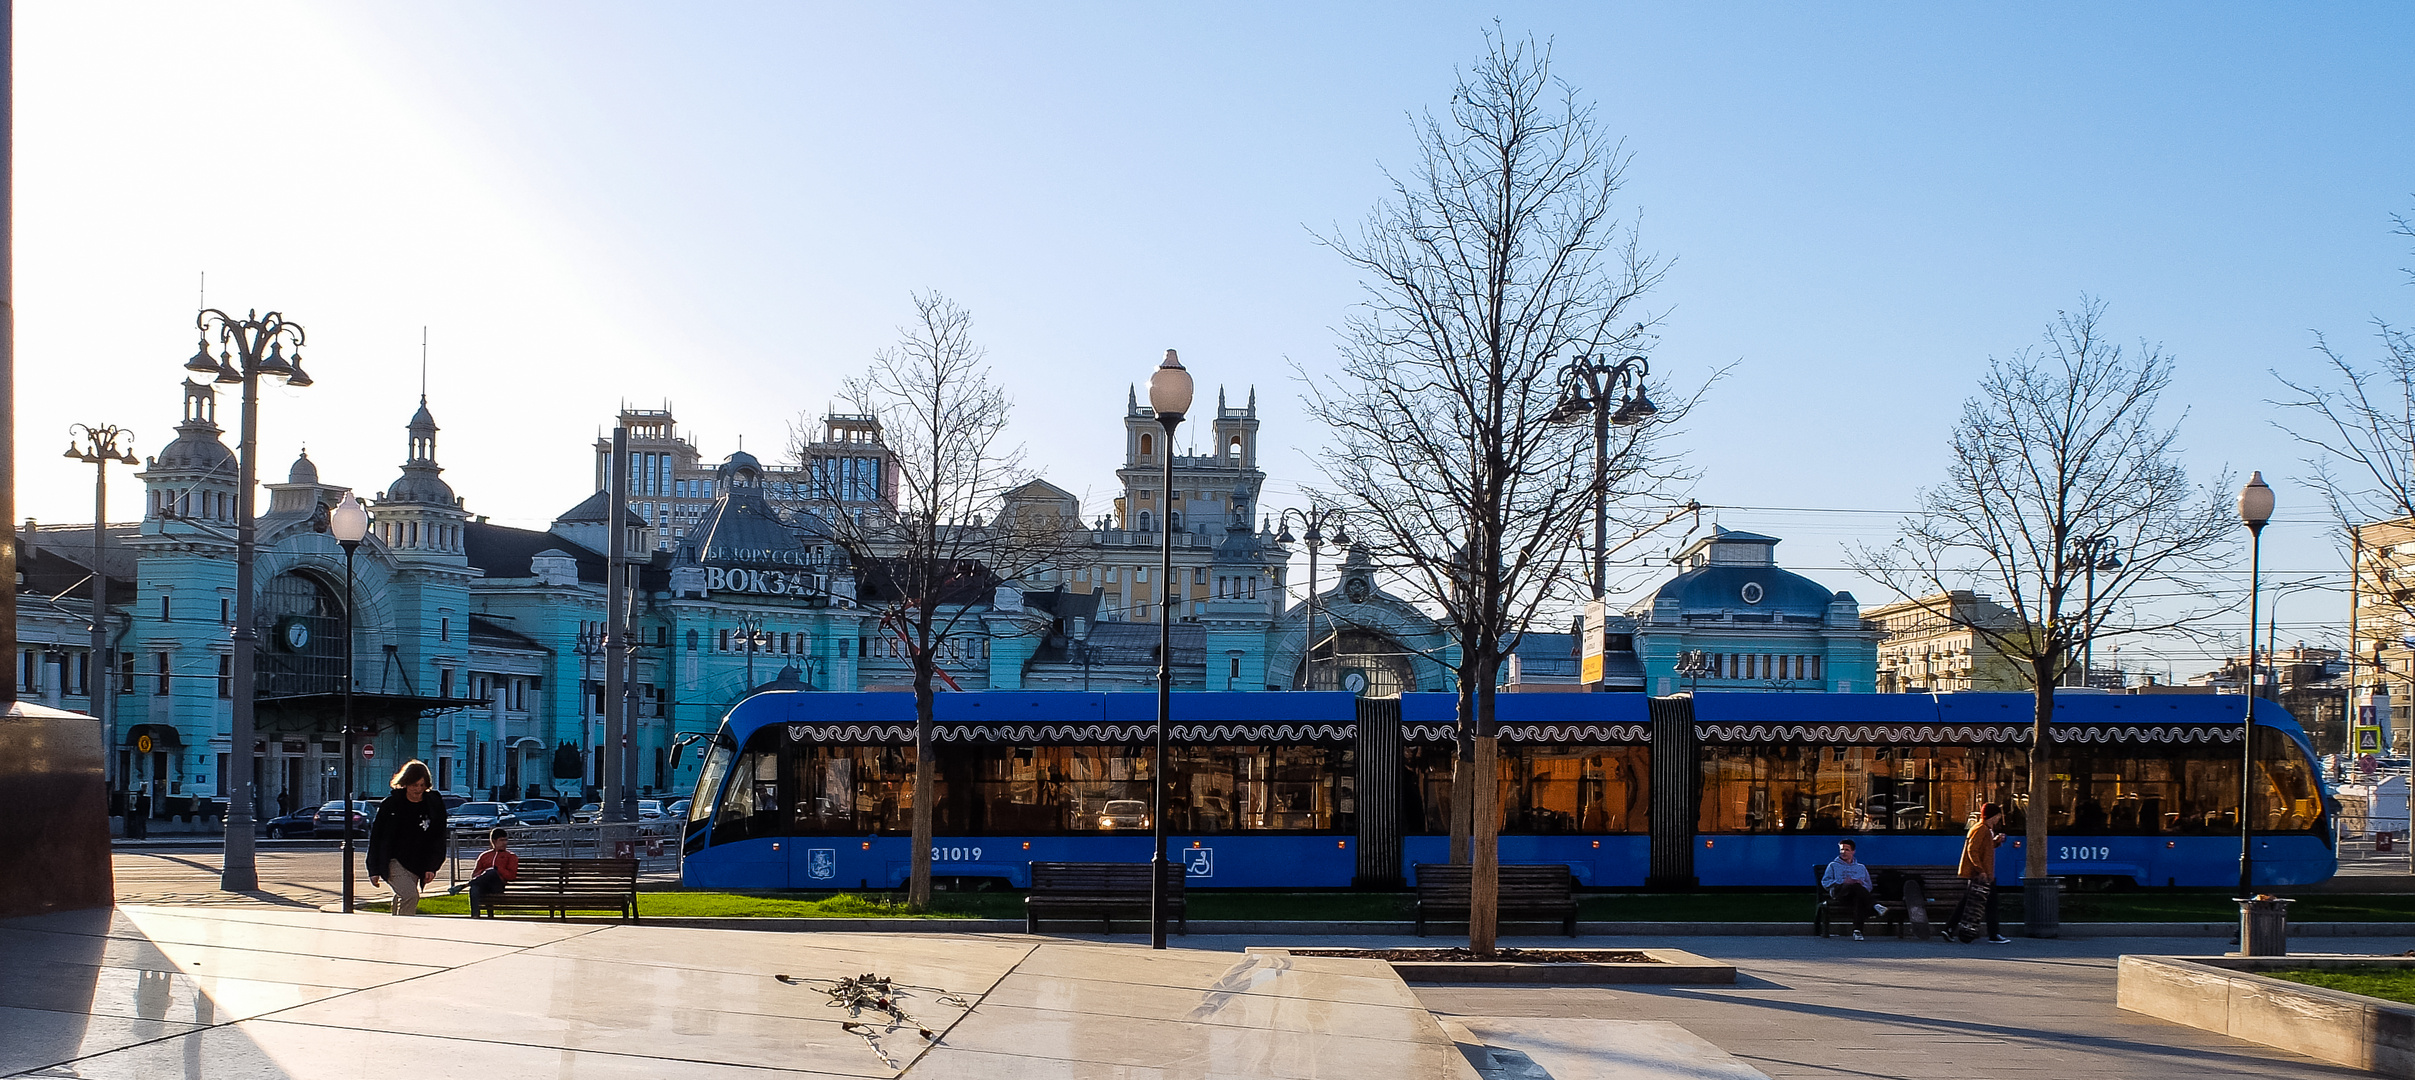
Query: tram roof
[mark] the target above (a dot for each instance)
(1983, 708)
(1443, 708)
(1049, 706)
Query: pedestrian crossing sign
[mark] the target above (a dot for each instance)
(2368, 740)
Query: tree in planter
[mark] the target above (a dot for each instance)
(1494, 261)
(2056, 464)
(951, 537)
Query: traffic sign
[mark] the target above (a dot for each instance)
(368, 750)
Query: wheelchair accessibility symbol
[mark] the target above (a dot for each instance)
(822, 864)
(1198, 862)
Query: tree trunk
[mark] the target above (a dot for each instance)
(918, 881)
(2041, 779)
(1463, 773)
(1484, 878)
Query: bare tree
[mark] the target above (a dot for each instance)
(2358, 419)
(932, 562)
(1494, 259)
(2056, 463)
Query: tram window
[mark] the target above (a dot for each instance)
(708, 779)
(1575, 789)
(1544, 789)
(2174, 789)
(752, 808)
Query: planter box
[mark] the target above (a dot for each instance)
(2225, 994)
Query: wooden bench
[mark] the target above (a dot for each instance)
(1937, 888)
(558, 887)
(1086, 889)
(1526, 892)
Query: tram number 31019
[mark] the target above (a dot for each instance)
(2069, 852)
(955, 854)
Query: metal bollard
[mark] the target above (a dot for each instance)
(2263, 926)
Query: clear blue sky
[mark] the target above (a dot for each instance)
(725, 206)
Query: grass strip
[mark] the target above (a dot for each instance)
(2387, 983)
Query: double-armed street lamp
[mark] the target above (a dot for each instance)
(349, 523)
(99, 447)
(248, 348)
(2096, 553)
(1313, 522)
(1169, 397)
(2255, 508)
(1614, 394)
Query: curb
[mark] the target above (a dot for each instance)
(1444, 932)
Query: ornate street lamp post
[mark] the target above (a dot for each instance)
(349, 522)
(2255, 508)
(1169, 398)
(1693, 664)
(1313, 521)
(1614, 394)
(248, 348)
(98, 447)
(2096, 553)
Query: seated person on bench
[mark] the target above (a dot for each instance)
(497, 866)
(1848, 881)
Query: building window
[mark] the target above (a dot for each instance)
(164, 615)
(163, 674)
(226, 614)
(444, 629)
(226, 676)
(691, 641)
(1148, 444)
(725, 641)
(444, 682)
(125, 674)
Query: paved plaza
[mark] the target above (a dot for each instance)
(265, 984)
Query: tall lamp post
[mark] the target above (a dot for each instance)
(98, 447)
(1614, 394)
(589, 645)
(2097, 553)
(1312, 521)
(2255, 508)
(1169, 398)
(248, 348)
(349, 523)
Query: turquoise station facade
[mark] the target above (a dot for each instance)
(477, 647)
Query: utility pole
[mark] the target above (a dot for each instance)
(616, 653)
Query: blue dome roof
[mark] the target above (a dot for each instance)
(1727, 588)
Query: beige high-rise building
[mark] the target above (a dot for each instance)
(1932, 647)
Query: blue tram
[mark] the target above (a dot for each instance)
(1325, 790)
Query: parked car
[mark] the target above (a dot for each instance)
(649, 810)
(471, 820)
(676, 810)
(587, 814)
(291, 825)
(1124, 814)
(451, 800)
(538, 811)
(329, 820)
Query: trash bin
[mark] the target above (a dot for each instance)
(2263, 926)
(2382, 842)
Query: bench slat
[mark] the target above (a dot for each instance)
(1100, 889)
(1443, 889)
(558, 886)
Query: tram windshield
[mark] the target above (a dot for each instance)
(2174, 789)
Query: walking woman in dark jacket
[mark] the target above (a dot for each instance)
(406, 842)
